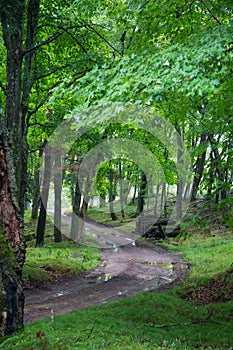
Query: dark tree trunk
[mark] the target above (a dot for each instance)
(12, 26)
(12, 190)
(199, 168)
(142, 193)
(134, 194)
(76, 202)
(180, 184)
(156, 199)
(16, 109)
(12, 252)
(27, 83)
(44, 197)
(36, 188)
(111, 194)
(121, 190)
(218, 168)
(57, 194)
(164, 199)
(86, 198)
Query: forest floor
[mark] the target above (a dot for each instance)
(124, 271)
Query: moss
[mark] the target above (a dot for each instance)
(2, 302)
(7, 252)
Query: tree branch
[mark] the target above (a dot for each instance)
(33, 111)
(55, 70)
(210, 12)
(103, 38)
(45, 42)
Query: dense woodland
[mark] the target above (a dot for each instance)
(131, 99)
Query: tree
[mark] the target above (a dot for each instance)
(44, 197)
(58, 172)
(12, 253)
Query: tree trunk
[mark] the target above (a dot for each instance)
(111, 194)
(12, 253)
(180, 184)
(102, 201)
(121, 191)
(142, 193)
(16, 109)
(76, 202)
(57, 194)
(164, 199)
(44, 197)
(36, 189)
(89, 176)
(199, 168)
(12, 26)
(156, 199)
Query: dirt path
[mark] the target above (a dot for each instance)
(98, 235)
(124, 271)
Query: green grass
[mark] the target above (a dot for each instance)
(147, 321)
(151, 320)
(102, 216)
(54, 260)
(208, 255)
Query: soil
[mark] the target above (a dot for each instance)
(124, 271)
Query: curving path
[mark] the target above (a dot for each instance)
(123, 272)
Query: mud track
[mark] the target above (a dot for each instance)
(123, 272)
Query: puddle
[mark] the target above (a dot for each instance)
(105, 277)
(60, 294)
(149, 289)
(161, 265)
(169, 280)
(122, 293)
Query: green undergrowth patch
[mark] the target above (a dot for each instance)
(146, 321)
(211, 274)
(56, 260)
(102, 216)
(208, 255)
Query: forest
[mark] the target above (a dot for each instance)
(117, 113)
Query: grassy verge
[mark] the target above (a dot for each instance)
(152, 320)
(54, 260)
(147, 321)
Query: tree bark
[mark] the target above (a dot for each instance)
(33, 8)
(199, 168)
(17, 108)
(142, 193)
(12, 253)
(12, 27)
(57, 194)
(44, 197)
(121, 190)
(180, 184)
(86, 198)
(111, 194)
(156, 198)
(76, 202)
(36, 189)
